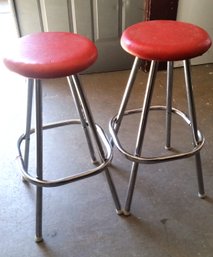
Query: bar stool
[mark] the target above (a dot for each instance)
(160, 40)
(49, 55)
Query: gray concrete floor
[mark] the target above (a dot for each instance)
(168, 219)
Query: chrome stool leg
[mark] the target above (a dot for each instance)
(39, 157)
(81, 112)
(28, 122)
(127, 93)
(192, 114)
(169, 104)
(124, 102)
(141, 133)
(85, 113)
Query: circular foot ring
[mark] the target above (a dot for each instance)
(154, 159)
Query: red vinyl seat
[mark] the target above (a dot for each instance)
(50, 55)
(164, 40)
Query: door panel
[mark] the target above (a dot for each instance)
(54, 15)
(199, 13)
(81, 17)
(106, 20)
(100, 20)
(26, 15)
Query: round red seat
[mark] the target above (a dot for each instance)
(165, 40)
(50, 55)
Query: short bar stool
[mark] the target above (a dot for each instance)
(160, 41)
(53, 55)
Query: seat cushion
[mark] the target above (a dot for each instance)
(50, 55)
(165, 40)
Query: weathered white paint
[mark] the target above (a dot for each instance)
(200, 13)
(103, 21)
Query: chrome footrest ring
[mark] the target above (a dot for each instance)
(155, 159)
(69, 179)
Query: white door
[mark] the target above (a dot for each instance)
(101, 20)
(199, 13)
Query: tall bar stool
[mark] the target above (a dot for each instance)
(156, 41)
(48, 55)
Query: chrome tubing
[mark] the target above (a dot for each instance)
(127, 93)
(155, 159)
(169, 104)
(68, 179)
(39, 158)
(28, 122)
(90, 120)
(141, 133)
(81, 112)
(192, 114)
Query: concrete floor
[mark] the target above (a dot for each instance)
(168, 219)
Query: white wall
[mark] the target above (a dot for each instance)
(199, 12)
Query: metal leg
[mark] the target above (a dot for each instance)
(141, 133)
(192, 114)
(88, 114)
(81, 112)
(39, 157)
(28, 122)
(127, 92)
(169, 104)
